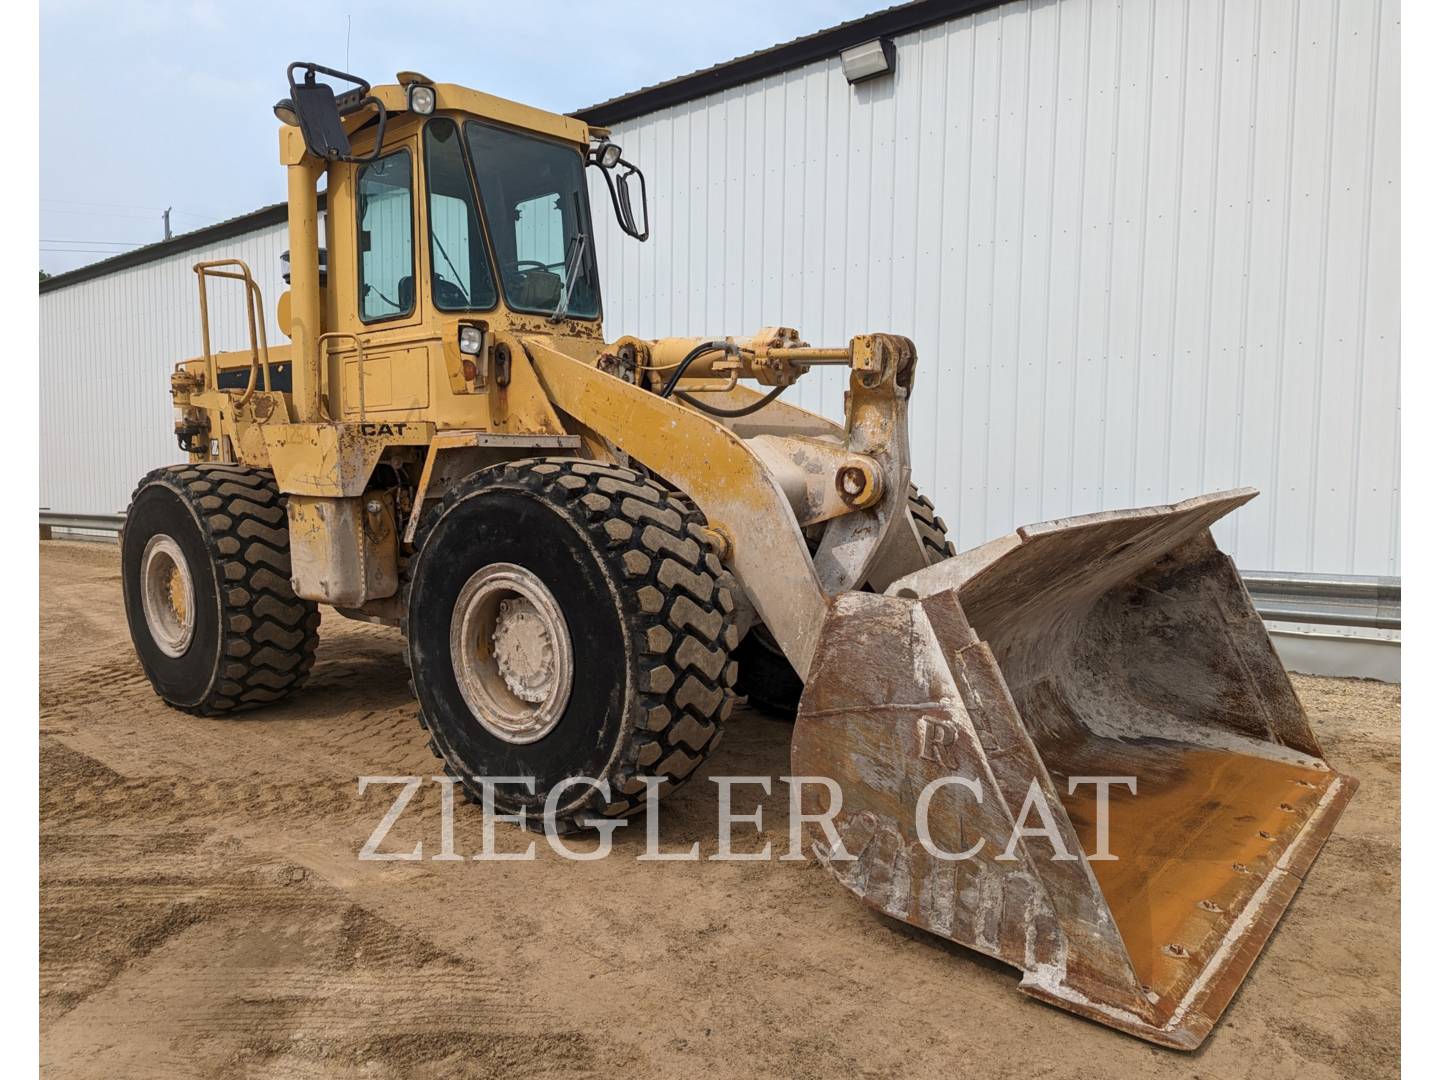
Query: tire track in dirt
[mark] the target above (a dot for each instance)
(255, 963)
(203, 911)
(178, 936)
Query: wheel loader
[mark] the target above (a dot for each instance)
(1072, 748)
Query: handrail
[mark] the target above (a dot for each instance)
(254, 302)
(359, 366)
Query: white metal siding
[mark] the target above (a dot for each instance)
(1146, 249)
(107, 348)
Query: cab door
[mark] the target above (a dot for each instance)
(374, 219)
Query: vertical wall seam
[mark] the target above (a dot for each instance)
(940, 306)
(1111, 204)
(1284, 292)
(1321, 342)
(1044, 309)
(1177, 213)
(1207, 334)
(1242, 344)
(1019, 259)
(1074, 431)
(984, 509)
(1362, 322)
(1140, 285)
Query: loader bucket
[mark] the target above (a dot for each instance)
(1119, 645)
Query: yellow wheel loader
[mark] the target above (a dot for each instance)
(1072, 748)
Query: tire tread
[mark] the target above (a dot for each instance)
(649, 537)
(268, 635)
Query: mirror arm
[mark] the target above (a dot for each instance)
(351, 101)
(380, 115)
(624, 210)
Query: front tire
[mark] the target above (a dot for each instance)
(205, 569)
(565, 618)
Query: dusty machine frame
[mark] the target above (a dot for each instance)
(981, 686)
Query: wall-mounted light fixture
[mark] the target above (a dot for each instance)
(868, 61)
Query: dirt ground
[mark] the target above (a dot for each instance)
(204, 913)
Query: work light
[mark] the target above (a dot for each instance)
(472, 339)
(285, 112)
(607, 154)
(422, 99)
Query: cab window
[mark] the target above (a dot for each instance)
(536, 206)
(460, 276)
(387, 248)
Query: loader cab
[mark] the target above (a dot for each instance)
(453, 217)
(465, 216)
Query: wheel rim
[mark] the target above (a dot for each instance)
(167, 595)
(511, 653)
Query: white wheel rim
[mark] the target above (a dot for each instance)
(511, 653)
(167, 595)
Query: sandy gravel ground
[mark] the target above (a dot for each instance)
(203, 912)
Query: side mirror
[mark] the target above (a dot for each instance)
(618, 175)
(317, 110)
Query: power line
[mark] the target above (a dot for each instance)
(108, 243)
(97, 213)
(120, 206)
(150, 210)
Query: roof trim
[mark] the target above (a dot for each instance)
(264, 218)
(902, 19)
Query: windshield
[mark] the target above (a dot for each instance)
(535, 203)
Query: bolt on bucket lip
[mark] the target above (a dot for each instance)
(1215, 970)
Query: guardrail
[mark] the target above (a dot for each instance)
(1326, 599)
(1312, 599)
(103, 522)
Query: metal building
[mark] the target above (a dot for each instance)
(1146, 248)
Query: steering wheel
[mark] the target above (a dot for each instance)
(521, 264)
(449, 295)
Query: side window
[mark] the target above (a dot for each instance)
(387, 240)
(460, 277)
(540, 233)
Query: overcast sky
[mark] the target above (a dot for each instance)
(146, 104)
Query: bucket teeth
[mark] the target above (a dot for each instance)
(1075, 750)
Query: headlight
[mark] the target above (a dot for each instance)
(472, 340)
(607, 154)
(285, 112)
(422, 99)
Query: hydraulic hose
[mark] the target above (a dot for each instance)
(690, 357)
(754, 406)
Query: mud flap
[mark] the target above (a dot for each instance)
(973, 715)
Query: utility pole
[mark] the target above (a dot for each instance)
(166, 216)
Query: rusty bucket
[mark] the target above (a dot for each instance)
(975, 714)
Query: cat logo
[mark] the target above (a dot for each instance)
(382, 429)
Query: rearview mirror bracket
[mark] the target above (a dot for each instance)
(618, 182)
(318, 111)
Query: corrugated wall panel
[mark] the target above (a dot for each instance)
(107, 348)
(1146, 249)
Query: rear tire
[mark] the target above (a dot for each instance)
(205, 568)
(766, 678)
(607, 579)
